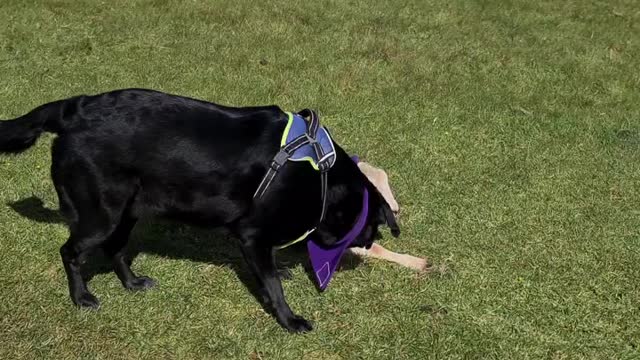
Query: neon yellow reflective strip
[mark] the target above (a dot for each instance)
(310, 160)
(283, 142)
(304, 236)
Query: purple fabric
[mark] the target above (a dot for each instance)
(324, 260)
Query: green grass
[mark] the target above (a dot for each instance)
(510, 130)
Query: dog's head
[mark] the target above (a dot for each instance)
(344, 204)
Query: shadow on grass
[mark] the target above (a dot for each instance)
(179, 241)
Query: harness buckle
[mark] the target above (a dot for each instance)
(279, 160)
(324, 165)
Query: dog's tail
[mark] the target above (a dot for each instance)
(21, 133)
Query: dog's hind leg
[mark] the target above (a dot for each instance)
(114, 247)
(93, 206)
(85, 236)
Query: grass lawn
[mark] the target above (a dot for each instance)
(510, 131)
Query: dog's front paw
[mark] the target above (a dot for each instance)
(140, 283)
(285, 274)
(86, 300)
(298, 324)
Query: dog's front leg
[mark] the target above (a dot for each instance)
(261, 261)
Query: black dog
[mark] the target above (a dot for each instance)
(131, 153)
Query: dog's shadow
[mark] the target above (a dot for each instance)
(179, 241)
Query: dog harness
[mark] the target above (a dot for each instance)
(303, 140)
(306, 140)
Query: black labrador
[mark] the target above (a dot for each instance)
(126, 154)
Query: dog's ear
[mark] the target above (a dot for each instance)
(386, 216)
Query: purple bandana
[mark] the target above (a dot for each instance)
(325, 260)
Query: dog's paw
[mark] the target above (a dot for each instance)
(87, 301)
(140, 283)
(298, 324)
(285, 274)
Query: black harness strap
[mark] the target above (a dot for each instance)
(310, 137)
(278, 161)
(323, 164)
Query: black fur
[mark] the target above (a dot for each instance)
(128, 154)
